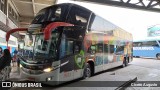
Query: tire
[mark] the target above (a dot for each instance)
(158, 56)
(87, 71)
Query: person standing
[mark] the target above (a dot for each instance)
(14, 58)
(5, 64)
(1, 51)
(18, 60)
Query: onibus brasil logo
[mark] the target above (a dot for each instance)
(19, 84)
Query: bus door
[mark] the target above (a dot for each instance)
(79, 59)
(80, 18)
(105, 57)
(111, 55)
(120, 52)
(66, 58)
(99, 57)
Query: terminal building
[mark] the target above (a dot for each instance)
(18, 13)
(9, 19)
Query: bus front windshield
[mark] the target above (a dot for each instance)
(46, 48)
(41, 46)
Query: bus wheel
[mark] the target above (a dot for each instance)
(87, 71)
(158, 56)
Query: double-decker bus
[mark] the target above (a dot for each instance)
(67, 41)
(147, 48)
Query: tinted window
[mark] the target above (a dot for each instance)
(145, 43)
(106, 48)
(40, 17)
(53, 45)
(111, 48)
(74, 32)
(78, 16)
(49, 14)
(100, 24)
(66, 47)
(120, 49)
(100, 48)
(55, 14)
(150, 43)
(137, 44)
(97, 24)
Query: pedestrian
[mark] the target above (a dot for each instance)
(14, 58)
(18, 60)
(5, 62)
(1, 51)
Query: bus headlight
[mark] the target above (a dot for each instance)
(48, 70)
(20, 66)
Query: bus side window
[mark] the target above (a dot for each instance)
(66, 47)
(78, 16)
(44, 45)
(139, 44)
(156, 45)
(52, 50)
(99, 48)
(92, 49)
(111, 47)
(119, 49)
(106, 48)
(150, 43)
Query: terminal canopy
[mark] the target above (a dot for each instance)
(151, 5)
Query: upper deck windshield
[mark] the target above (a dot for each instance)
(49, 14)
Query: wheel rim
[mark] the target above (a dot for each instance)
(88, 72)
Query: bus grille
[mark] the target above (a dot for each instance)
(29, 71)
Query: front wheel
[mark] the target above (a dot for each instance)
(87, 71)
(158, 56)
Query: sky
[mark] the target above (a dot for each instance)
(131, 20)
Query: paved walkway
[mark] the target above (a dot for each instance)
(14, 73)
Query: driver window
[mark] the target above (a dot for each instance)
(52, 50)
(53, 45)
(44, 45)
(66, 47)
